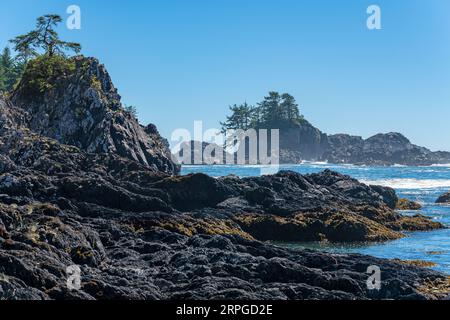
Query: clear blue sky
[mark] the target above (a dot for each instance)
(185, 60)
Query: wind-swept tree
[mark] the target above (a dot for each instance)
(43, 38)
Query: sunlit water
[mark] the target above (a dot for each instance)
(421, 184)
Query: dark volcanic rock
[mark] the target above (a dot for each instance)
(381, 149)
(324, 206)
(304, 142)
(138, 233)
(445, 198)
(83, 109)
(188, 192)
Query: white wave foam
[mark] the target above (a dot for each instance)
(316, 163)
(441, 165)
(409, 183)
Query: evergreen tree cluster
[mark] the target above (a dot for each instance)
(43, 41)
(275, 111)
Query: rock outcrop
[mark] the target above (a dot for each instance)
(138, 232)
(405, 204)
(81, 107)
(381, 149)
(445, 198)
(307, 143)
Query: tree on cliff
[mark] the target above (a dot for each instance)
(43, 38)
(241, 118)
(270, 108)
(289, 108)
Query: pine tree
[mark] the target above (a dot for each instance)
(289, 108)
(275, 111)
(241, 118)
(9, 72)
(270, 109)
(2, 79)
(45, 38)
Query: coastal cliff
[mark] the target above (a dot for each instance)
(75, 102)
(82, 183)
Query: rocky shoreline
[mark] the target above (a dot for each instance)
(138, 231)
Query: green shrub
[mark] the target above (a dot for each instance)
(43, 73)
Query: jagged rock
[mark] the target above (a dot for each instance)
(381, 149)
(82, 108)
(445, 198)
(138, 233)
(303, 142)
(194, 191)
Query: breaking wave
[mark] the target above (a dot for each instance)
(409, 183)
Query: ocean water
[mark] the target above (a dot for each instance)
(421, 184)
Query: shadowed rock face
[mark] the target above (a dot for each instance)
(83, 109)
(138, 232)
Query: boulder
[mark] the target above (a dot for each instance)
(405, 204)
(445, 198)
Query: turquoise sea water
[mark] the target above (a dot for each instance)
(421, 184)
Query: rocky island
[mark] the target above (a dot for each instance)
(300, 141)
(83, 183)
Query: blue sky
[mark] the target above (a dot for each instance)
(181, 61)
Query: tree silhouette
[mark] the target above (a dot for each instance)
(275, 111)
(45, 38)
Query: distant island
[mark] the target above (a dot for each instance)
(301, 141)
